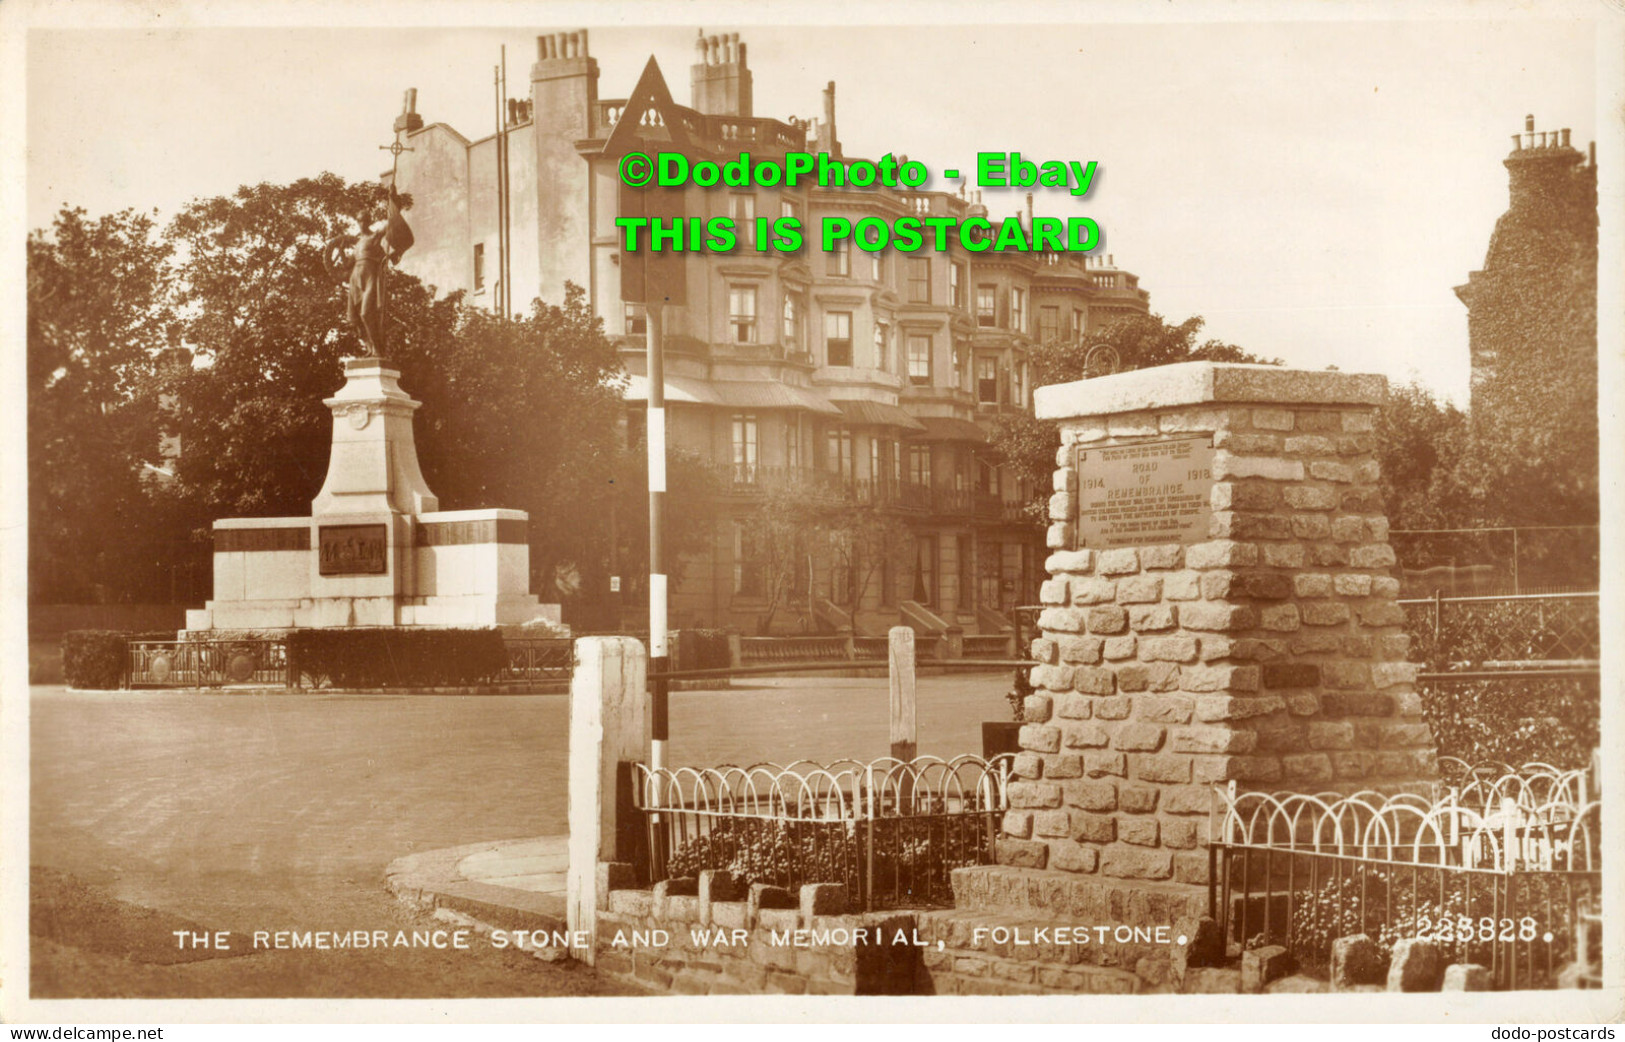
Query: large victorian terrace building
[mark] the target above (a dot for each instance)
(874, 373)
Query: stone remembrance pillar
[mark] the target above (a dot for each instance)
(1220, 608)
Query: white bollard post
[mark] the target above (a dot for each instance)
(609, 726)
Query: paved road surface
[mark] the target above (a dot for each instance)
(278, 812)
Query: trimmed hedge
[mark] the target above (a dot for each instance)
(397, 656)
(702, 649)
(94, 659)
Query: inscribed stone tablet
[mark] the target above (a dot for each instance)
(1144, 493)
(353, 550)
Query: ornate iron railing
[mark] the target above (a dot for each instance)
(539, 658)
(207, 663)
(891, 831)
(1497, 870)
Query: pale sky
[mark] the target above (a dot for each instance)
(1313, 189)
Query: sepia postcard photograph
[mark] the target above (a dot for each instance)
(812, 512)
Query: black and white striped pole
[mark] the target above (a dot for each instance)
(659, 651)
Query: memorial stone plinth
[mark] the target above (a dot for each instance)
(1220, 609)
(376, 550)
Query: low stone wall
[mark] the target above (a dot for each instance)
(1012, 932)
(711, 936)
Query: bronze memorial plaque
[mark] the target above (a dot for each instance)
(1148, 492)
(354, 550)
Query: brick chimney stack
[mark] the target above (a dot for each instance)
(719, 78)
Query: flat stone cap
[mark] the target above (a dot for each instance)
(1201, 383)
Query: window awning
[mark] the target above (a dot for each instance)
(865, 413)
(948, 428)
(770, 394)
(680, 390)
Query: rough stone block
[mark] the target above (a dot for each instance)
(1051, 678)
(1061, 620)
(1346, 676)
(1051, 823)
(1117, 561)
(1141, 832)
(1245, 495)
(1283, 555)
(1248, 443)
(1214, 708)
(1198, 942)
(1138, 737)
(1075, 707)
(1075, 562)
(1272, 419)
(1125, 861)
(1312, 584)
(1213, 740)
(1348, 529)
(1086, 736)
(1098, 763)
(1069, 857)
(1168, 649)
(1350, 584)
(1041, 738)
(1311, 526)
(1043, 650)
(1106, 619)
(1182, 586)
(1188, 799)
(1388, 674)
(1053, 591)
(1064, 767)
(1036, 708)
(1264, 586)
(1079, 650)
(1087, 590)
(1282, 618)
(1207, 615)
(1382, 613)
(1331, 735)
(1097, 796)
(1309, 497)
(1309, 767)
(1260, 966)
(1355, 961)
(1181, 833)
(1221, 553)
(1324, 613)
(1204, 679)
(1161, 557)
(1018, 823)
(1058, 535)
(1118, 648)
(1022, 853)
(1290, 674)
(1151, 618)
(1228, 466)
(1148, 676)
(1336, 703)
(1467, 976)
(1137, 799)
(1031, 795)
(1094, 828)
(1372, 555)
(1358, 422)
(1163, 709)
(1114, 708)
(1093, 680)
(1062, 505)
(1417, 965)
(1326, 470)
(1027, 765)
(1163, 768)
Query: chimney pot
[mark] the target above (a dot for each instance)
(1565, 137)
(1529, 122)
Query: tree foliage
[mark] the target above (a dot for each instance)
(1028, 444)
(98, 315)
